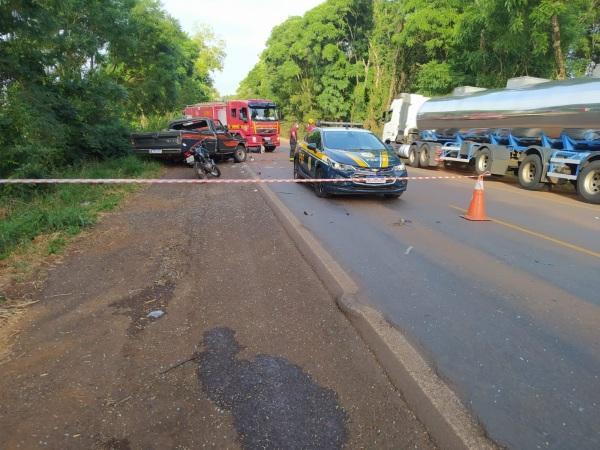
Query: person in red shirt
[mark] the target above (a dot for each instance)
(311, 126)
(293, 139)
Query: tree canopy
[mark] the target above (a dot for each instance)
(76, 75)
(347, 59)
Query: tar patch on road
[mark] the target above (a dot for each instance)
(138, 305)
(273, 402)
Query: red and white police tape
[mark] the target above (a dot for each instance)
(379, 180)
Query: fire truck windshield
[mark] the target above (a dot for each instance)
(264, 114)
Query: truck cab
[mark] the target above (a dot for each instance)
(400, 121)
(256, 121)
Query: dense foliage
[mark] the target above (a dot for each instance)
(76, 75)
(347, 59)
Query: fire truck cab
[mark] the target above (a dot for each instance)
(256, 121)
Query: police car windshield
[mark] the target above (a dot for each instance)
(352, 140)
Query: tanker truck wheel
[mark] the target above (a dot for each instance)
(483, 161)
(413, 156)
(588, 183)
(424, 156)
(530, 173)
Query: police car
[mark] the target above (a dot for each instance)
(358, 157)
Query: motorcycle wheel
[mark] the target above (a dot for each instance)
(215, 171)
(199, 170)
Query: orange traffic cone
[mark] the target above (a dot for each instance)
(476, 210)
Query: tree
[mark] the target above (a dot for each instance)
(74, 74)
(348, 59)
(313, 64)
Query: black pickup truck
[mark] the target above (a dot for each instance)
(183, 134)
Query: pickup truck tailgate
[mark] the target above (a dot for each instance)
(165, 142)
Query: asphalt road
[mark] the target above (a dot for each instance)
(508, 311)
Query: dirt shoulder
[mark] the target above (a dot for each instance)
(271, 358)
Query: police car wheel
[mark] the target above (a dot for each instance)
(320, 187)
(320, 190)
(296, 173)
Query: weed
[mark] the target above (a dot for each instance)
(56, 245)
(65, 209)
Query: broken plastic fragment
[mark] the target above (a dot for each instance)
(156, 314)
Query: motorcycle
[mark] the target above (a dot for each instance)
(203, 164)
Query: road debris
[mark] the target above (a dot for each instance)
(408, 250)
(113, 403)
(180, 363)
(156, 314)
(402, 222)
(60, 295)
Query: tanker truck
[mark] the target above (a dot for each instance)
(545, 132)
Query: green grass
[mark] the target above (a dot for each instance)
(65, 210)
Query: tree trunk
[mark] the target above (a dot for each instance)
(397, 83)
(558, 54)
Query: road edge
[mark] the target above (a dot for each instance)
(446, 419)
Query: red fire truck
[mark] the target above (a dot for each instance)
(257, 121)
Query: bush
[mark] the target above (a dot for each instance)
(66, 209)
(155, 122)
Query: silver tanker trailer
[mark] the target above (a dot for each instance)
(546, 132)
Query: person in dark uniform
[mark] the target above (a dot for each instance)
(293, 139)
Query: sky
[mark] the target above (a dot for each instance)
(244, 25)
